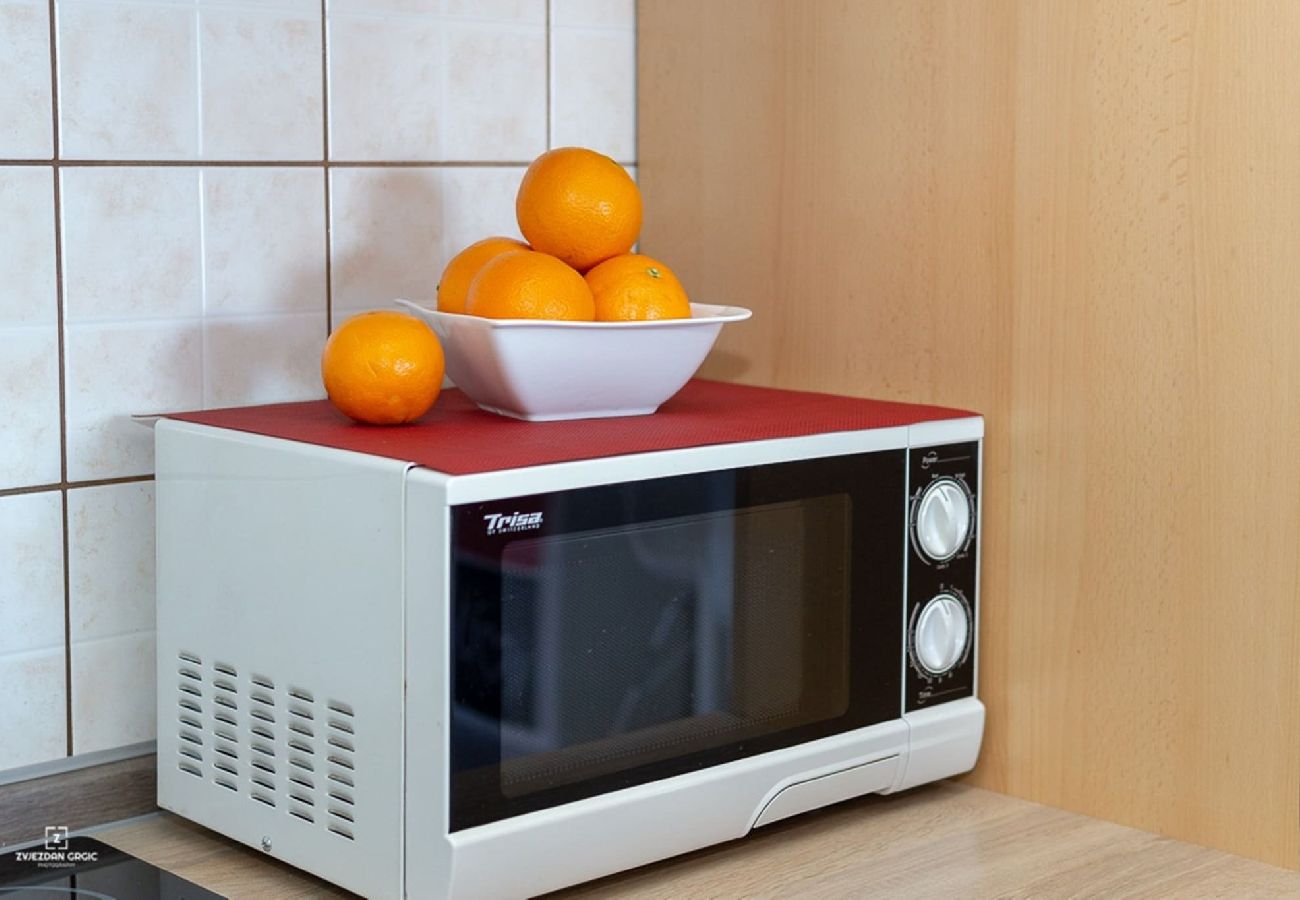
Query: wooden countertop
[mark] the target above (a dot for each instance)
(942, 841)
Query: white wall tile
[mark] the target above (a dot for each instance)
(619, 14)
(263, 359)
(494, 99)
(29, 399)
(515, 11)
(387, 233)
(27, 275)
(264, 240)
(383, 7)
(435, 87)
(33, 707)
(261, 81)
(131, 243)
(128, 80)
(593, 90)
(111, 560)
(385, 86)
(31, 560)
(298, 7)
(115, 369)
(26, 120)
(393, 230)
(519, 12)
(32, 697)
(113, 692)
(478, 203)
(29, 343)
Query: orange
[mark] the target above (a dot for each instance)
(578, 205)
(635, 287)
(382, 368)
(530, 285)
(454, 284)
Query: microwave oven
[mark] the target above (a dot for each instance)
(487, 658)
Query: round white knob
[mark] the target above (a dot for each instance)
(943, 519)
(942, 631)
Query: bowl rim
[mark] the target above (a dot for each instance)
(712, 315)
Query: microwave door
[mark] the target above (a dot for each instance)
(709, 567)
(623, 630)
(682, 628)
(644, 630)
(682, 642)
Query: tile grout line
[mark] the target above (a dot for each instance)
(73, 485)
(325, 176)
(329, 255)
(443, 41)
(203, 289)
(31, 489)
(198, 79)
(60, 323)
(202, 223)
(58, 243)
(67, 623)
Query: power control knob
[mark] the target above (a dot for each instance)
(941, 634)
(943, 519)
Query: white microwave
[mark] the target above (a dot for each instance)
(476, 657)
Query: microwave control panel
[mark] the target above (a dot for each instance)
(943, 492)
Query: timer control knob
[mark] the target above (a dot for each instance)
(943, 519)
(941, 634)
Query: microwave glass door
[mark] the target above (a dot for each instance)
(610, 636)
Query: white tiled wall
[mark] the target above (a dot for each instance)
(26, 129)
(593, 66)
(190, 192)
(394, 229)
(29, 338)
(33, 702)
(111, 614)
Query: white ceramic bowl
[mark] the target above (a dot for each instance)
(543, 370)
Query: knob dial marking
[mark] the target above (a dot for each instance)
(944, 519)
(942, 634)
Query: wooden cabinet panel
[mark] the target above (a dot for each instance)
(1082, 219)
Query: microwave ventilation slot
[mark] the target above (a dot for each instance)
(341, 767)
(189, 705)
(275, 744)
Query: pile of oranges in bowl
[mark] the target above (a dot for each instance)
(580, 213)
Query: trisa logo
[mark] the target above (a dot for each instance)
(505, 523)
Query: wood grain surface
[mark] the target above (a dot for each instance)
(941, 841)
(1082, 219)
(947, 841)
(78, 799)
(214, 862)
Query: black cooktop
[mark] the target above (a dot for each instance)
(86, 868)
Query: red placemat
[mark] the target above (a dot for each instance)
(458, 438)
